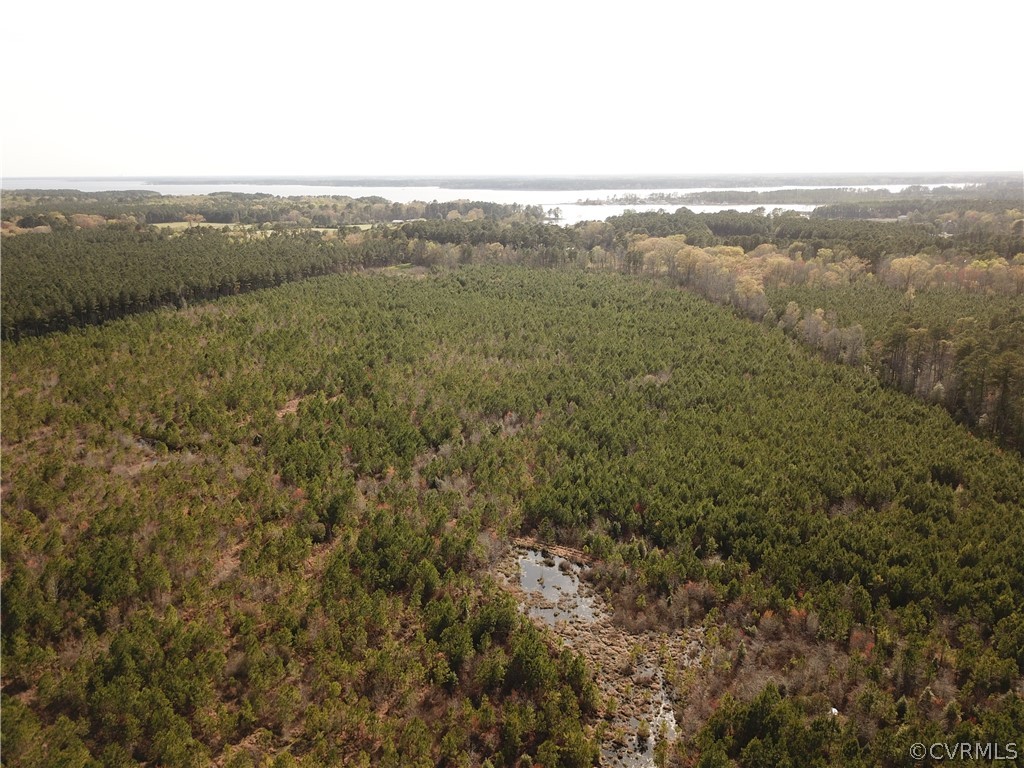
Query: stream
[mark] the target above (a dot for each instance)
(633, 671)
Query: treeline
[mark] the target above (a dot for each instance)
(938, 345)
(871, 240)
(952, 335)
(972, 235)
(259, 529)
(955, 232)
(951, 236)
(73, 278)
(847, 202)
(64, 209)
(991, 197)
(54, 281)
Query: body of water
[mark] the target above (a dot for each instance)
(556, 581)
(566, 201)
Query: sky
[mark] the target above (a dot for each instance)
(458, 88)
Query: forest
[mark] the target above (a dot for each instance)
(256, 480)
(838, 201)
(62, 210)
(931, 303)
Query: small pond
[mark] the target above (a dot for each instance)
(554, 584)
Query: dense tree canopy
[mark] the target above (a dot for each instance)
(261, 526)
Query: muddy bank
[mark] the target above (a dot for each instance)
(634, 672)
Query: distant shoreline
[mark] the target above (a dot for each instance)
(542, 183)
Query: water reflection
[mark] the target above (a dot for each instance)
(555, 581)
(553, 593)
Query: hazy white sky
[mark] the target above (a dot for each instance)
(205, 88)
